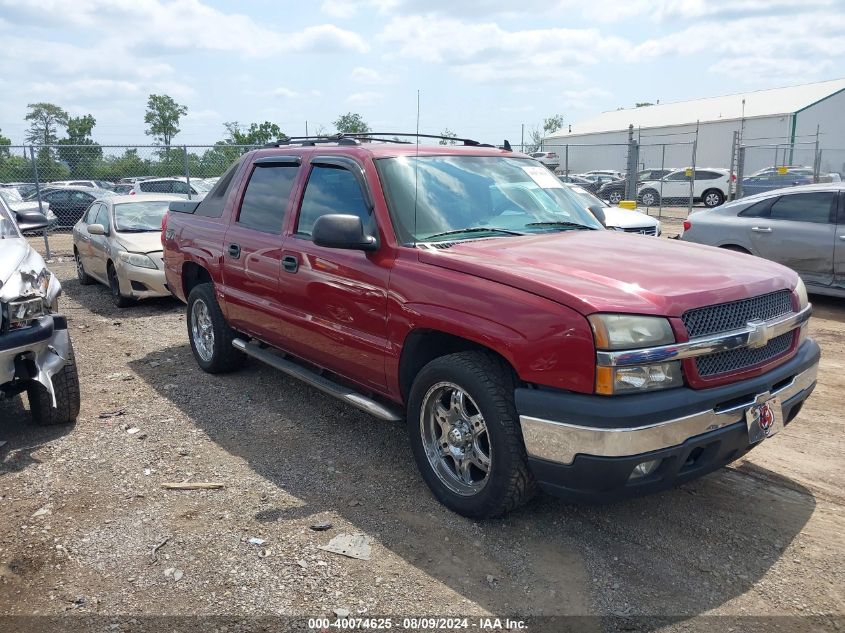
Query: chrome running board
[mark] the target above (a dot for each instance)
(345, 394)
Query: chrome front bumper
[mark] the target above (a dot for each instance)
(560, 442)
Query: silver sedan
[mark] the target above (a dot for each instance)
(118, 243)
(801, 227)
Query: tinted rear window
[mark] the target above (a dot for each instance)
(266, 197)
(213, 203)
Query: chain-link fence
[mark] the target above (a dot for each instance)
(64, 179)
(661, 176)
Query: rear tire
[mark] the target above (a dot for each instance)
(84, 278)
(211, 337)
(479, 427)
(615, 197)
(66, 388)
(118, 299)
(712, 198)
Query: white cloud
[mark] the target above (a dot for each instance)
(363, 98)
(340, 9)
(364, 75)
(157, 27)
(287, 93)
(487, 52)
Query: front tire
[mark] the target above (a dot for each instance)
(713, 198)
(465, 435)
(650, 198)
(119, 300)
(211, 337)
(66, 388)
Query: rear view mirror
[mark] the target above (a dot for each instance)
(96, 229)
(31, 220)
(598, 211)
(337, 230)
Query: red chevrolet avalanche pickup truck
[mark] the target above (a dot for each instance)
(465, 290)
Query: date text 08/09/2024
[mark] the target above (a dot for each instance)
(417, 624)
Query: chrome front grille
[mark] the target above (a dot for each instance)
(735, 315)
(735, 359)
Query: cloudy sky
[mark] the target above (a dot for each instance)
(483, 67)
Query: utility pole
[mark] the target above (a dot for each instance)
(522, 139)
(692, 171)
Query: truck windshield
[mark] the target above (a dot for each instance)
(435, 198)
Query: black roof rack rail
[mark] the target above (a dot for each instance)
(464, 141)
(382, 137)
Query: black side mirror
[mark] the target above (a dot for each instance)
(31, 220)
(598, 211)
(339, 230)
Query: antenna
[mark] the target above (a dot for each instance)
(416, 167)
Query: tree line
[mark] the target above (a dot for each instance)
(78, 155)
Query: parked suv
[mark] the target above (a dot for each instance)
(459, 288)
(614, 191)
(710, 187)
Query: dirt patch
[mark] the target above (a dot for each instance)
(762, 537)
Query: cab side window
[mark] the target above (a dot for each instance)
(266, 197)
(332, 189)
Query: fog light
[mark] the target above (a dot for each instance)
(644, 469)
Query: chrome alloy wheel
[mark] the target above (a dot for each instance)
(712, 199)
(202, 331)
(455, 438)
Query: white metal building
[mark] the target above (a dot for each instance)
(778, 127)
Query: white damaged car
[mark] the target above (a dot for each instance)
(36, 355)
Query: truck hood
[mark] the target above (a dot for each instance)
(23, 272)
(608, 271)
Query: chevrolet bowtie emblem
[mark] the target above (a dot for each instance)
(758, 335)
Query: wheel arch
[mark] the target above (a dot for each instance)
(423, 345)
(192, 275)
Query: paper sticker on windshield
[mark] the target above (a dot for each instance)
(543, 177)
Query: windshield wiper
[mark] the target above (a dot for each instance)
(476, 229)
(137, 230)
(574, 225)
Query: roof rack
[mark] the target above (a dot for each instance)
(382, 137)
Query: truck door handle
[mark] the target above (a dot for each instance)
(235, 251)
(290, 263)
(761, 229)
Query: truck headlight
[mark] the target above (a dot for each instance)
(803, 302)
(620, 380)
(136, 259)
(23, 311)
(629, 331)
(613, 332)
(801, 291)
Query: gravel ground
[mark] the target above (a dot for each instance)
(85, 527)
